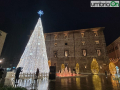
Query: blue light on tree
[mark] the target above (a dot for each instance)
(40, 13)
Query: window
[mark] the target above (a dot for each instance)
(83, 42)
(66, 35)
(65, 43)
(55, 44)
(97, 42)
(55, 53)
(84, 52)
(98, 52)
(66, 53)
(66, 64)
(55, 37)
(96, 34)
(82, 34)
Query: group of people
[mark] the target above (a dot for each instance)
(19, 69)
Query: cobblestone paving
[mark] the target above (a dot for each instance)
(91, 82)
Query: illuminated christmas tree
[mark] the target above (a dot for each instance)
(35, 55)
(94, 66)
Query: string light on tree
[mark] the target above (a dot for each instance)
(34, 55)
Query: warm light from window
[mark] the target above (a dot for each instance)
(98, 52)
(83, 42)
(66, 53)
(96, 34)
(97, 42)
(55, 44)
(82, 34)
(84, 53)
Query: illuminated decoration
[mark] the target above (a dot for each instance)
(77, 68)
(49, 63)
(40, 13)
(62, 67)
(94, 66)
(34, 55)
(112, 68)
(114, 82)
(114, 60)
(97, 82)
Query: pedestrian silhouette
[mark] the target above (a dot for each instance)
(19, 69)
(37, 73)
(106, 74)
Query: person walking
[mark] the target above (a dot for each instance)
(106, 74)
(17, 74)
(37, 73)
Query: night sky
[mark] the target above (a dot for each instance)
(19, 17)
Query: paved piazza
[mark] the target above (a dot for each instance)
(90, 82)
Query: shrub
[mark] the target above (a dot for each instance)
(12, 88)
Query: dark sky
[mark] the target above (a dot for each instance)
(18, 17)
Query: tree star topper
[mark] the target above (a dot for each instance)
(40, 13)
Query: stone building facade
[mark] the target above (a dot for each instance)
(113, 50)
(2, 40)
(77, 46)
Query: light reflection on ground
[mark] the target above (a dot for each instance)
(91, 82)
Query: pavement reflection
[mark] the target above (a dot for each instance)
(91, 82)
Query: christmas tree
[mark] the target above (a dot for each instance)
(94, 66)
(34, 55)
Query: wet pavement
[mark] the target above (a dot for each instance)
(90, 82)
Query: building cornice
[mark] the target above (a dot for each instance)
(79, 30)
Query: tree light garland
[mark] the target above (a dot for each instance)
(35, 55)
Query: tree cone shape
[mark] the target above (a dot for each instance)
(34, 55)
